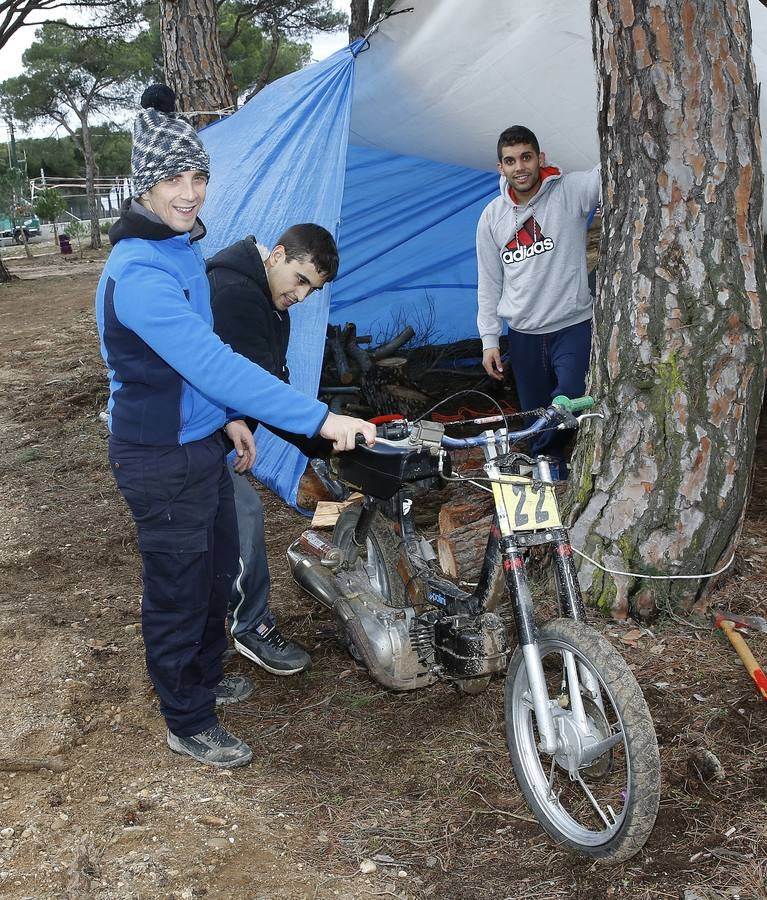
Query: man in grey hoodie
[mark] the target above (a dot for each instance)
(531, 243)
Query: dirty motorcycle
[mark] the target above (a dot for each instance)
(579, 732)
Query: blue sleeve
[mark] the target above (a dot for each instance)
(160, 315)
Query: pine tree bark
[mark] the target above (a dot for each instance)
(678, 359)
(358, 18)
(193, 60)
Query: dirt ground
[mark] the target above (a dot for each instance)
(417, 787)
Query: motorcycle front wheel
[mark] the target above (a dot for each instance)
(603, 807)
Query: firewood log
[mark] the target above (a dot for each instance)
(311, 490)
(336, 347)
(462, 551)
(353, 349)
(394, 344)
(463, 530)
(393, 369)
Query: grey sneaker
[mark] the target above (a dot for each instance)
(232, 689)
(273, 652)
(214, 747)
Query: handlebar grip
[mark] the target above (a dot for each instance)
(573, 406)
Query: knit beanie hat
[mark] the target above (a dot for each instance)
(164, 143)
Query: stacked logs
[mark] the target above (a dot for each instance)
(369, 382)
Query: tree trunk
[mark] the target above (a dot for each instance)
(193, 60)
(5, 276)
(660, 485)
(90, 184)
(25, 242)
(358, 19)
(462, 552)
(266, 71)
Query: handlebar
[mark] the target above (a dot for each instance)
(573, 406)
(561, 411)
(430, 435)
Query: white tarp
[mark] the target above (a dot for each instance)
(444, 80)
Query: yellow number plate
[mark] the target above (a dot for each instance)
(527, 506)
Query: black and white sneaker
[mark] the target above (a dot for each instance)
(232, 689)
(270, 650)
(214, 747)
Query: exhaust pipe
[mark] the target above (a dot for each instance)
(320, 582)
(313, 577)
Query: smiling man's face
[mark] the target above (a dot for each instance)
(291, 281)
(177, 200)
(521, 167)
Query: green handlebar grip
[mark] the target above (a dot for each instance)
(573, 406)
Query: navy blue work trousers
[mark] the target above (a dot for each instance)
(544, 366)
(182, 502)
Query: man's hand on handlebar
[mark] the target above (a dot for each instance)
(343, 431)
(491, 361)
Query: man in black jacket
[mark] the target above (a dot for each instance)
(252, 290)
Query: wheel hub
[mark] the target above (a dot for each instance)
(573, 741)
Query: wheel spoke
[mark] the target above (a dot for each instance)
(592, 799)
(552, 773)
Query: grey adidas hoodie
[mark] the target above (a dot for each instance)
(531, 257)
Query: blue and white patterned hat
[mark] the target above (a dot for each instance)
(164, 143)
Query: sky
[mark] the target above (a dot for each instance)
(10, 60)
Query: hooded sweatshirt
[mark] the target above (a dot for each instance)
(245, 317)
(243, 313)
(531, 256)
(171, 379)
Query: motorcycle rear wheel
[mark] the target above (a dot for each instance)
(605, 808)
(381, 561)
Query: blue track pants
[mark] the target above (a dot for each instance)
(545, 365)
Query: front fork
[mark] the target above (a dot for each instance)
(571, 606)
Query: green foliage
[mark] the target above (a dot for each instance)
(295, 19)
(77, 230)
(12, 189)
(251, 28)
(49, 204)
(248, 51)
(57, 157)
(112, 149)
(117, 13)
(71, 75)
(63, 157)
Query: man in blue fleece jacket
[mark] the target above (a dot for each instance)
(173, 386)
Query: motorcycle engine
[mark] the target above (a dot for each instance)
(468, 646)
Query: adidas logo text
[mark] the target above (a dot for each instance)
(521, 253)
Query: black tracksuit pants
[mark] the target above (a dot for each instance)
(182, 502)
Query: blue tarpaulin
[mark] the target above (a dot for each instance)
(405, 225)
